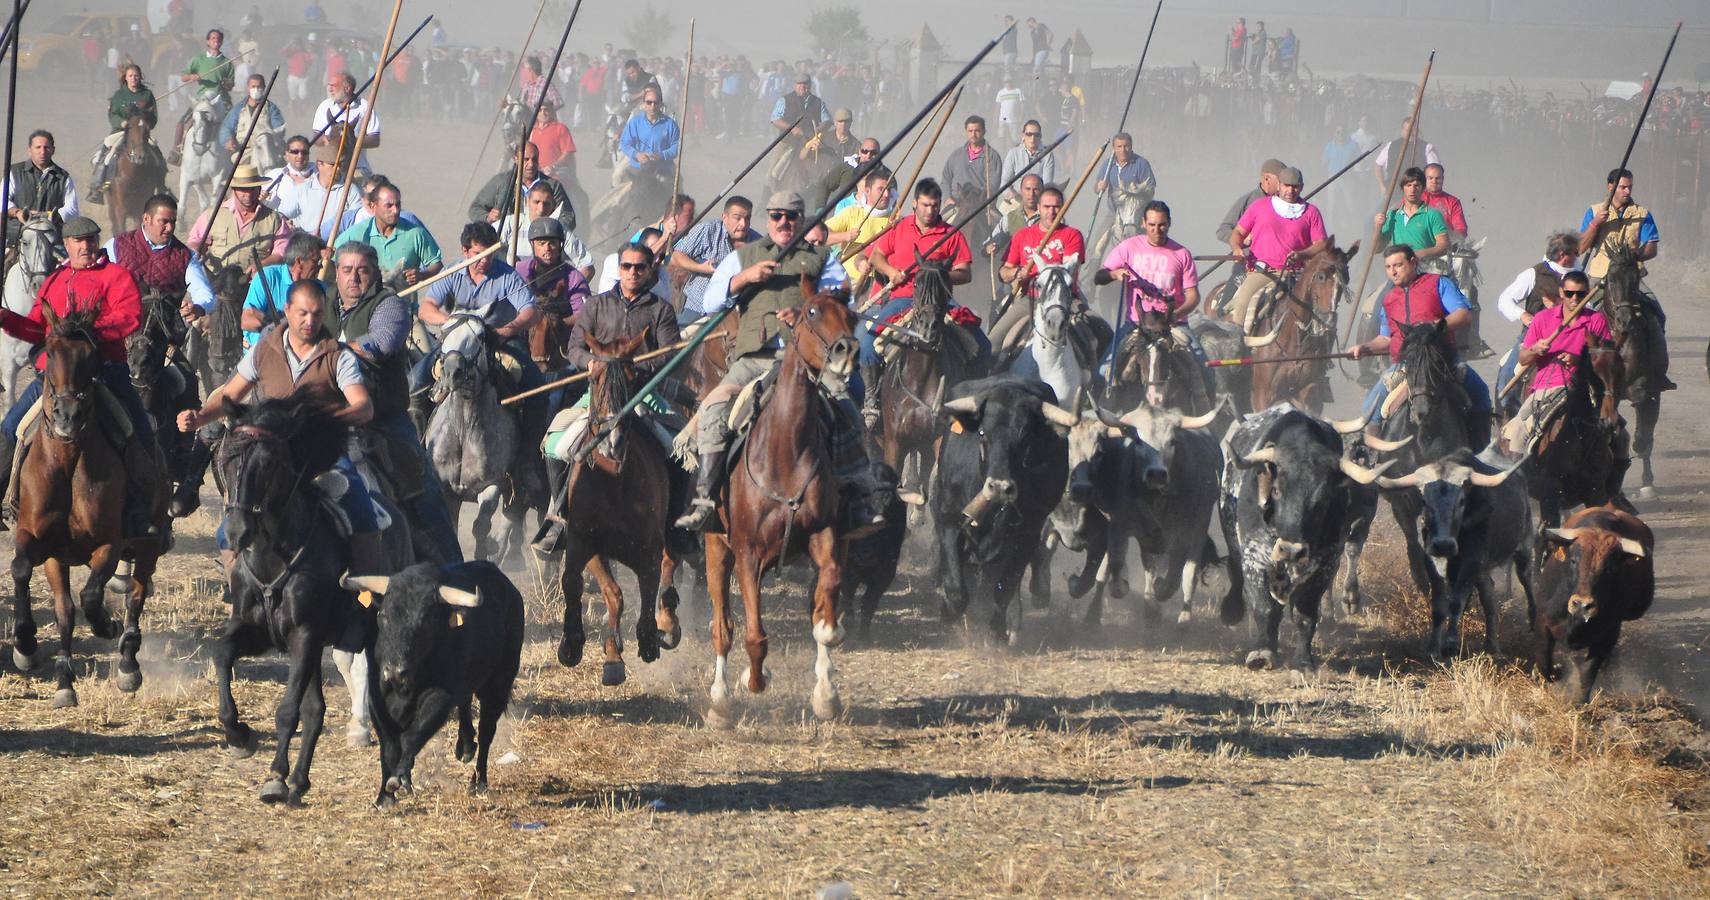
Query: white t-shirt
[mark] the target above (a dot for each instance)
(1009, 103)
(332, 111)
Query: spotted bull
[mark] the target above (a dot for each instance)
(1286, 492)
(1476, 519)
(1001, 468)
(1597, 573)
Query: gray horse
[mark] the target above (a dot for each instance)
(473, 440)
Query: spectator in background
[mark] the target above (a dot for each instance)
(1257, 44)
(1009, 44)
(1040, 34)
(297, 62)
(1288, 53)
(1009, 100)
(555, 145)
(1237, 46)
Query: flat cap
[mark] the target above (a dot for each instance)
(1272, 167)
(1291, 175)
(802, 78)
(80, 227)
(786, 200)
(842, 114)
(546, 228)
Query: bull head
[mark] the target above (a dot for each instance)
(379, 584)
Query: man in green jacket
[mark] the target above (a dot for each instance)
(214, 76)
(133, 98)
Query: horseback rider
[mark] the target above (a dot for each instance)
(972, 173)
(1633, 226)
(894, 256)
(1275, 234)
(650, 142)
(337, 120)
(162, 263)
(407, 250)
(303, 360)
(38, 185)
(242, 232)
(1026, 154)
(829, 151)
(1157, 275)
(306, 191)
(1128, 175)
(1534, 288)
(1268, 172)
(538, 205)
(857, 225)
(768, 291)
(1417, 298)
(558, 285)
(1454, 215)
(698, 253)
(238, 121)
(613, 317)
(1409, 149)
(213, 74)
(496, 199)
(1017, 217)
(1030, 251)
(133, 98)
(1553, 347)
(1414, 224)
(88, 279)
(374, 323)
(788, 107)
(822, 191)
(265, 302)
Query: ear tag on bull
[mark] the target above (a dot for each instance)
(1561, 553)
(955, 426)
(457, 618)
(366, 598)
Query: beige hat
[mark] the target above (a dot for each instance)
(247, 176)
(1291, 175)
(842, 114)
(786, 200)
(1272, 167)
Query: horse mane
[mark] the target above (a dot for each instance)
(932, 281)
(230, 282)
(315, 439)
(79, 324)
(1426, 356)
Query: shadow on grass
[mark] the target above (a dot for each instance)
(71, 743)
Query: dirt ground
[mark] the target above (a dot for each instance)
(1138, 760)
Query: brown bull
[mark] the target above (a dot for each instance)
(1597, 574)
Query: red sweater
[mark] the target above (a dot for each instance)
(108, 286)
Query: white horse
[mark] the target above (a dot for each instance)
(1049, 356)
(204, 160)
(473, 441)
(38, 254)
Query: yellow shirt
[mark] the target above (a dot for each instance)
(848, 219)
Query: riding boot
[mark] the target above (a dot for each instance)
(701, 508)
(7, 447)
(870, 409)
(176, 155)
(368, 554)
(550, 540)
(98, 182)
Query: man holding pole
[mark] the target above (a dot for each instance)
(339, 118)
(242, 232)
(1157, 275)
(972, 173)
(894, 254)
(1030, 251)
(1623, 222)
(1553, 346)
(1536, 287)
(1275, 235)
(214, 76)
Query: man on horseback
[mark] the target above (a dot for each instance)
(650, 142)
(614, 317)
(1445, 203)
(1533, 289)
(769, 293)
(496, 198)
(133, 98)
(161, 263)
(856, 226)
(238, 122)
(1275, 235)
(264, 304)
(1268, 172)
(407, 251)
(1623, 222)
(304, 360)
(1016, 218)
(338, 119)
(1553, 346)
(242, 232)
(699, 252)
(213, 74)
(1418, 298)
(1031, 251)
(971, 174)
(1024, 154)
(1157, 275)
(37, 185)
(88, 279)
(1413, 224)
(799, 103)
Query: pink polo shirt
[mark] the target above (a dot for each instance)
(1572, 340)
(1274, 237)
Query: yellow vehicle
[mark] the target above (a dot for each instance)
(56, 48)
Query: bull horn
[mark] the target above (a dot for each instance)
(964, 405)
(1411, 480)
(372, 583)
(1490, 481)
(1267, 340)
(1200, 421)
(1057, 415)
(1632, 548)
(1349, 426)
(1382, 446)
(1261, 455)
(1361, 474)
(459, 597)
(1565, 535)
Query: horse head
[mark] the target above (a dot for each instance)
(1436, 400)
(931, 298)
(464, 351)
(205, 121)
(38, 248)
(275, 448)
(610, 370)
(824, 333)
(1056, 288)
(68, 378)
(137, 132)
(1621, 292)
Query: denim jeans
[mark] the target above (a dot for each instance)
(869, 353)
(116, 376)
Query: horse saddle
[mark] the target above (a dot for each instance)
(112, 419)
(570, 424)
(956, 340)
(330, 488)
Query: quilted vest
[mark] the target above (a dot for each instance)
(158, 271)
(781, 291)
(1416, 303)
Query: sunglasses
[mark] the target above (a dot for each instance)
(1030, 134)
(1574, 293)
(783, 215)
(866, 152)
(296, 151)
(633, 266)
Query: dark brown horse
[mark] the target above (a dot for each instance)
(616, 509)
(781, 498)
(139, 173)
(913, 386)
(1578, 459)
(1300, 321)
(549, 336)
(1152, 367)
(71, 501)
(1638, 337)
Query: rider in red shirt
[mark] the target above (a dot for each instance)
(1446, 203)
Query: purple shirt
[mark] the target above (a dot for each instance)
(576, 289)
(1273, 237)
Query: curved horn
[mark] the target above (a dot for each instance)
(1261, 455)
(1379, 444)
(374, 583)
(459, 597)
(1057, 415)
(1105, 416)
(1411, 480)
(1360, 474)
(1267, 340)
(964, 405)
(1490, 481)
(1565, 535)
(1349, 426)
(1632, 548)
(1200, 421)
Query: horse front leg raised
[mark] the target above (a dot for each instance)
(827, 553)
(665, 619)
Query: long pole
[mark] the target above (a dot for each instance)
(858, 246)
(527, 125)
(214, 211)
(498, 117)
(362, 126)
(12, 109)
(682, 123)
(1394, 180)
(1257, 361)
(855, 177)
(17, 13)
(712, 204)
(1122, 124)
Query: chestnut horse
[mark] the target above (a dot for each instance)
(1300, 321)
(616, 508)
(781, 498)
(139, 173)
(1152, 367)
(71, 502)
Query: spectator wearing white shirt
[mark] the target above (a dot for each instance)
(344, 110)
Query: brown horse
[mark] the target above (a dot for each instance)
(780, 499)
(912, 388)
(616, 508)
(1639, 338)
(1152, 367)
(138, 174)
(549, 336)
(1300, 321)
(71, 500)
(1578, 459)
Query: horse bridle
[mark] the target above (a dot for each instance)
(274, 589)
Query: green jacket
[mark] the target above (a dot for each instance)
(761, 303)
(125, 103)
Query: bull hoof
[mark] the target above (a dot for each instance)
(827, 705)
(64, 697)
(611, 674)
(385, 801)
(570, 651)
(274, 791)
(129, 682)
(1118, 588)
(26, 662)
(1492, 647)
(1259, 660)
(1079, 586)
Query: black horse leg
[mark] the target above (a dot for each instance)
(59, 580)
(576, 557)
(290, 710)
(314, 716)
(23, 620)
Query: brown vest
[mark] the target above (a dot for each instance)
(317, 385)
(1545, 283)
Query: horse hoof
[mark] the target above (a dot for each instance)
(570, 651)
(26, 662)
(130, 681)
(721, 717)
(64, 697)
(358, 735)
(671, 637)
(611, 674)
(756, 687)
(101, 625)
(119, 585)
(1646, 492)
(1184, 617)
(1079, 586)
(827, 706)
(274, 791)
(1259, 660)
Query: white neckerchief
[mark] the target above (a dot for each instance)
(1286, 209)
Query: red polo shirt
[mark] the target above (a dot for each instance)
(1066, 244)
(905, 239)
(1450, 206)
